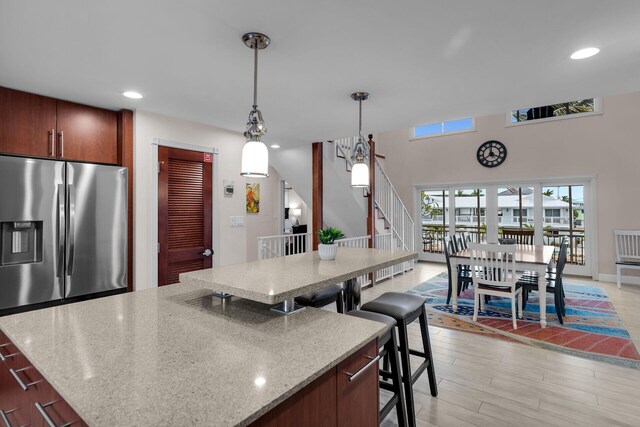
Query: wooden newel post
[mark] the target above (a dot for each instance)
(316, 179)
(371, 203)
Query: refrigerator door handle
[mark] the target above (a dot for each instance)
(61, 224)
(71, 224)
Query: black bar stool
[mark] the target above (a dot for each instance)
(388, 345)
(324, 296)
(406, 308)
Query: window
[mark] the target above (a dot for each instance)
(556, 111)
(552, 213)
(451, 126)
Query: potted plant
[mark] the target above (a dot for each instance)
(327, 249)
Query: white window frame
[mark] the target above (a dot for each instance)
(455, 132)
(491, 187)
(597, 110)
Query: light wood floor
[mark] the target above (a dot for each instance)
(486, 382)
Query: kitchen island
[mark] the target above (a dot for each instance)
(178, 356)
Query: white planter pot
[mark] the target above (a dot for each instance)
(327, 252)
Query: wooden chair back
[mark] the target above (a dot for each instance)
(522, 236)
(627, 246)
(448, 249)
(493, 265)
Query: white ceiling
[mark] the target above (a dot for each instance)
(422, 61)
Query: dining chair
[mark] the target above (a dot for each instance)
(464, 275)
(522, 236)
(493, 269)
(554, 283)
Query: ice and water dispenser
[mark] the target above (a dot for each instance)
(21, 242)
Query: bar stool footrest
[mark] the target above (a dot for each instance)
(419, 371)
(418, 353)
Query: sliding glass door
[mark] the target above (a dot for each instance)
(434, 217)
(540, 213)
(470, 212)
(564, 216)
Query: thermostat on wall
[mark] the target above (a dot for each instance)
(228, 187)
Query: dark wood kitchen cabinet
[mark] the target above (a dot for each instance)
(27, 123)
(86, 133)
(347, 395)
(26, 398)
(34, 125)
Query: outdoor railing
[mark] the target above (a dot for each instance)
(576, 248)
(432, 240)
(473, 219)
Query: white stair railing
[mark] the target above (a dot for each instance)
(389, 204)
(400, 222)
(354, 242)
(284, 244)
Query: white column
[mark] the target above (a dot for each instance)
(538, 214)
(492, 214)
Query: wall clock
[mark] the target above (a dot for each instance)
(492, 153)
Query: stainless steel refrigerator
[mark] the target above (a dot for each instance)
(63, 230)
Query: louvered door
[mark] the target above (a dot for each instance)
(184, 213)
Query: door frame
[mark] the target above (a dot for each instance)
(215, 200)
(590, 196)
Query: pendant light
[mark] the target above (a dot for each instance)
(360, 169)
(255, 156)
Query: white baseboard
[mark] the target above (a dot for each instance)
(631, 280)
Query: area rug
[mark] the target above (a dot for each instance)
(591, 329)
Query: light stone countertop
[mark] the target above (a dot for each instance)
(275, 280)
(177, 356)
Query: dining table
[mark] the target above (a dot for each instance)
(277, 281)
(527, 258)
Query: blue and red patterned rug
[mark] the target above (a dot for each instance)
(592, 328)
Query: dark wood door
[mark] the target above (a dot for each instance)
(27, 123)
(184, 213)
(86, 133)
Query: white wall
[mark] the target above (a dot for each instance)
(231, 246)
(265, 222)
(606, 146)
(296, 202)
(344, 207)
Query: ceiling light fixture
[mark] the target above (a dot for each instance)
(585, 53)
(255, 156)
(360, 169)
(132, 94)
(274, 146)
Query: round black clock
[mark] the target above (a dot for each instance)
(492, 153)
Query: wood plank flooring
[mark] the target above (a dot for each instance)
(486, 382)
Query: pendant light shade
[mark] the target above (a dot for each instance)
(360, 169)
(360, 175)
(255, 155)
(255, 160)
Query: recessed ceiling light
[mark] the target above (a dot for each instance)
(132, 94)
(275, 146)
(585, 53)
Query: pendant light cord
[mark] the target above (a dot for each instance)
(360, 119)
(255, 76)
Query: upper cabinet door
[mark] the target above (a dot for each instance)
(86, 133)
(27, 123)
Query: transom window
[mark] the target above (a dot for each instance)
(442, 128)
(580, 107)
